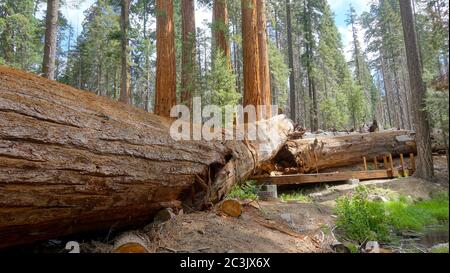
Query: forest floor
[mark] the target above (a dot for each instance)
(278, 226)
(304, 226)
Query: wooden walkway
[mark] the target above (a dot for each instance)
(324, 177)
(388, 172)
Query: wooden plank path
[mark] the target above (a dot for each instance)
(324, 177)
(388, 172)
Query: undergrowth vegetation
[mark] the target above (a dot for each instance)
(360, 219)
(246, 190)
(299, 196)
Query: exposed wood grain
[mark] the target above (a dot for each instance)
(71, 161)
(308, 155)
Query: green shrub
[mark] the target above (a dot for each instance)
(361, 219)
(247, 190)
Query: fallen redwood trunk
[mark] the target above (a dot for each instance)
(71, 161)
(310, 155)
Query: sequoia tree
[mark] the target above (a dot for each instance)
(264, 71)
(165, 97)
(188, 64)
(220, 28)
(252, 84)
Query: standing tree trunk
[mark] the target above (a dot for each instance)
(220, 29)
(313, 109)
(293, 95)
(165, 97)
(252, 85)
(124, 26)
(51, 32)
(264, 70)
(188, 63)
(423, 136)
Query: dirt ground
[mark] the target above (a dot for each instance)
(286, 227)
(266, 227)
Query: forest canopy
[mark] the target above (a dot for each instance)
(311, 76)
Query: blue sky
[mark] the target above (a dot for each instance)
(339, 7)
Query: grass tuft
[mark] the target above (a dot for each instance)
(247, 190)
(299, 196)
(404, 214)
(360, 219)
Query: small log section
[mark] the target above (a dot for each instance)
(321, 153)
(71, 161)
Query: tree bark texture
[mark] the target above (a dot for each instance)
(316, 154)
(165, 97)
(51, 33)
(189, 64)
(264, 70)
(252, 84)
(72, 162)
(425, 167)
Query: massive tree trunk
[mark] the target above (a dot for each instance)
(266, 98)
(51, 32)
(188, 64)
(165, 97)
(125, 96)
(71, 161)
(422, 127)
(310, 155)
(292, 92)
(252, 84)
(220, 29)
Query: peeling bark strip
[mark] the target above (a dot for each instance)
(71, 161)
(310, 155)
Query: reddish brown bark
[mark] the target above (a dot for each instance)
(188, 64)
(252, 84)
(165, 97)
(71, 161)
(220, 28)
(264, 58)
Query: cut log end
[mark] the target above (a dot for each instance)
(131, 243)
(231, 208)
